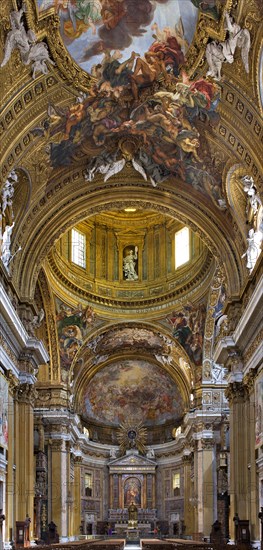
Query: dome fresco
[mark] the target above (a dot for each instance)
(132, 388)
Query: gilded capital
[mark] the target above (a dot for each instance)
(236, 392)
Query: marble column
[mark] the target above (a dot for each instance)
(237, 396)
(24, 452)
(77, 495)
(204, 493)
(188, 507)
(58, 488)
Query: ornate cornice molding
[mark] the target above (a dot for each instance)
(147, 302)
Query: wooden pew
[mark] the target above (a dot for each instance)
(156, 544)
(183, 544)
(113, 544)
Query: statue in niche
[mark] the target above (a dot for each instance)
(130, 264)
(253, 200)
(254, 240)
(6, 245)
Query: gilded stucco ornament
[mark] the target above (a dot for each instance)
(132, 435)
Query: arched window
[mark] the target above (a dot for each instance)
(78, 248)
(182, 247)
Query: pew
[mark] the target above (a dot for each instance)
(156, 544)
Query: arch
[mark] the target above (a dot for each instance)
(174, 202)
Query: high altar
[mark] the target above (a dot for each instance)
(132, 492)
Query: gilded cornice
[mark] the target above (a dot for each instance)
(86, 289)
(255, 344)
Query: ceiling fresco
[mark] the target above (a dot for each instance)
(132, 388)
(89, 28)
(141, 106)
(73, 324)
(131, 338)
(188, 327)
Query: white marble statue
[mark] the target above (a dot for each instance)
(253, 201)
(113, 453)
(25, 42)
(238, 37)
(254, 241)
(164, 359)
(16, 38)
(150, 453)
(215, 58)
(39, 57)
(38, 319)
(8, 191)
(218, 53)
(6, 255)
(129, 265)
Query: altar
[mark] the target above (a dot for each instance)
(132, 481)
(122, 529)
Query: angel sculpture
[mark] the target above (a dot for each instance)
(8, 191)
(25, 41)
(254, 241)
(253, 200)
(218, 53)
(6, 255)
(35, 322)
(37, 319)
(39, 56)
(16, 38)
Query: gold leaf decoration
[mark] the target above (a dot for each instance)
(132, 435)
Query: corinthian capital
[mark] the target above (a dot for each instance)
(25, 393)
(236, 392)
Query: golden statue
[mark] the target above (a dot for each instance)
(133, 516)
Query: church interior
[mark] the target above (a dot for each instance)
(131, 230)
